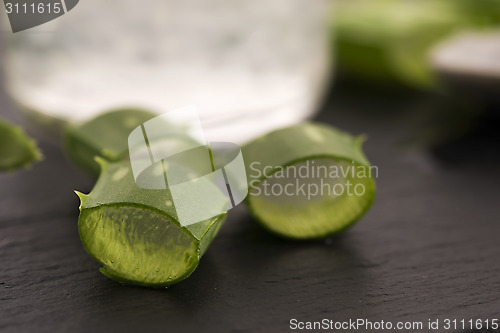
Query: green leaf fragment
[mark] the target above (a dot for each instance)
(104, 136)
(390, 40)
(17, 150)
(134, 233)
(294, 210)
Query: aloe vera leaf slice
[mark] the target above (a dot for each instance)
(17, 150)
(134, 233)
(389, 40)
(306, 145)
(104, 136)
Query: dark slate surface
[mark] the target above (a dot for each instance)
(429, 248)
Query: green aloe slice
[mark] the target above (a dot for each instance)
(134, 233)
(104, 136)
(17, 150)
(390, 40)
(308, 156)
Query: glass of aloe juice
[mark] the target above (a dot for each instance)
(248, 66)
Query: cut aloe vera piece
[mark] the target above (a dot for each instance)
(296, 177)
(390, 40)
(17, 150)
(134, 233)
(104, 136)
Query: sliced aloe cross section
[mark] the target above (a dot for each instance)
(17, 150)
(134, 232)
(308, 181)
